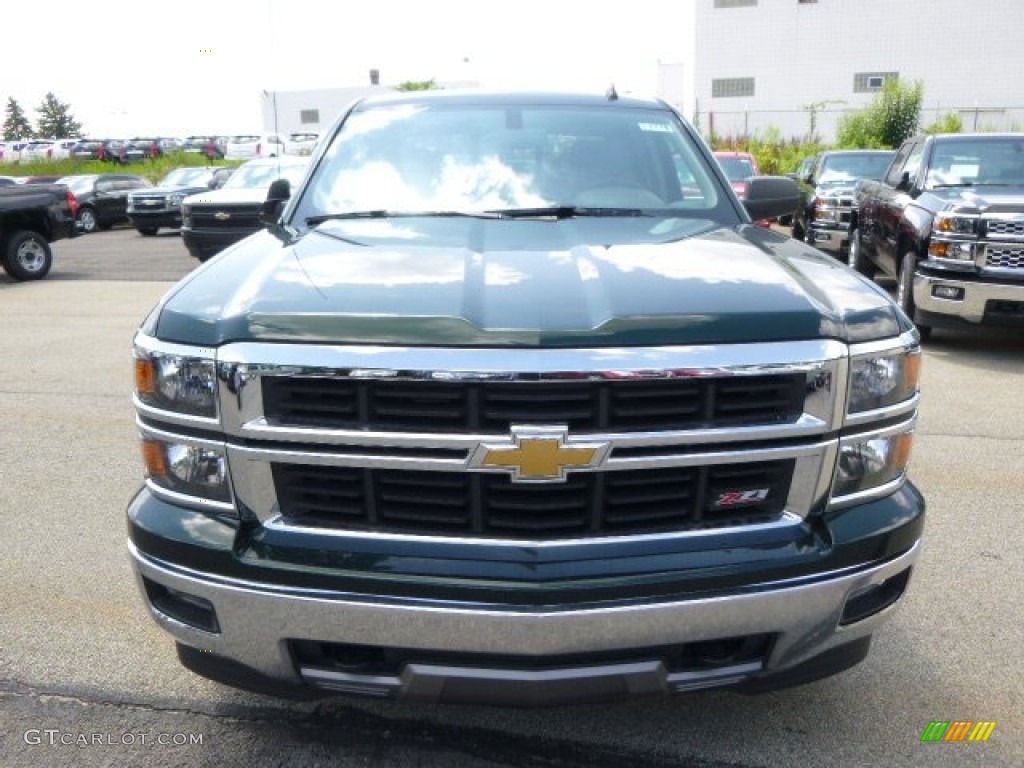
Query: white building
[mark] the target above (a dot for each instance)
(771, 63)
(316, 110)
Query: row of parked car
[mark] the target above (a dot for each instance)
(827, 182)
(214, 206)
(237, 147)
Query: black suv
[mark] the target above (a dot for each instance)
(103, 198)
(160, 206)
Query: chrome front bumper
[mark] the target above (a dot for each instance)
(828, 239)
(256, 622)
(975, 296)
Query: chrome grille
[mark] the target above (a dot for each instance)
(439, 406)
(1005, 227)
(483, 505)
(1004, 257)
(239, 217)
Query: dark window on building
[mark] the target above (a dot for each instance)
(734, 3)
(732, 87)
(866, 82)
(806, 2)
(309, 116)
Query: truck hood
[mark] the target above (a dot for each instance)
(976, 200)
(571, 283)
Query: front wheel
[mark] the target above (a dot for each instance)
(146, 231)
(855, 257)
(905, 291)
(27, 256)
(798, 231)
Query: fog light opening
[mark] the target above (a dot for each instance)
(950, 292)
(189, 609)
(875, 599)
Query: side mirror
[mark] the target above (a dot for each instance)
(278, 194)
(769, 197)
(904, 184)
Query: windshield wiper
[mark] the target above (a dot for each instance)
(385, 214)
(565, 212)
(981, 184)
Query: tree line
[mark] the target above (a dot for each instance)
(54, 121)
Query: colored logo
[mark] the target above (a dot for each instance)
(539, 455)
(958, 730)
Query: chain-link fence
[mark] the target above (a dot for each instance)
(822, 123)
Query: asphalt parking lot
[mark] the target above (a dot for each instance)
(80, 658)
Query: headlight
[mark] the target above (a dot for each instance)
(948, 224)
(872, 461)
(130, 205)
(879, 380)
(173, 201)
(953, 250)
(178, 383)
(187, 469)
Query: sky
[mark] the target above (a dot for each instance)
(190, 67)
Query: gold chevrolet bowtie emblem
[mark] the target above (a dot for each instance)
(539, 454)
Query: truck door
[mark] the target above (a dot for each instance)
(894, 196)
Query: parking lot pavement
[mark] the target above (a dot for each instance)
(79, 655)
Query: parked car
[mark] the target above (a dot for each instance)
(506, 408)
(93, 149)
(824, 215)
(142, 148)
(11, 151)
(738, 167)
(36, 150)
(211, 221)
(103, 198)
(7, 181)
(40, 179)
(302, 143)
(30, 219)
(160, 206)
(946, 220)
(250, 145)
(213, 147)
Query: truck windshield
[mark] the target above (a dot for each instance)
(988, 161)
(486, 157)
(851, 167)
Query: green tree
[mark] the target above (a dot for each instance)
(418, 85)
(887, 121)
(55, 119)
(16, 125)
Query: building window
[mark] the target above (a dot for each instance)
(866, 82)
(806, 2)
(309, 116)
(734, 3)
(732, 87)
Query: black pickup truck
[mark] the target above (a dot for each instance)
(513, 403)
(947, 221)
(32, 217)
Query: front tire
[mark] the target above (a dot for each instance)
(87, 220)
(855, 257)
(27, 256)
(905, 291)
(146, 231)
(798, 231)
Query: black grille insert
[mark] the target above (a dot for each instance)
(440, 406)
(588, 504)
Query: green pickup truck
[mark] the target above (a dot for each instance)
(511, 403)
